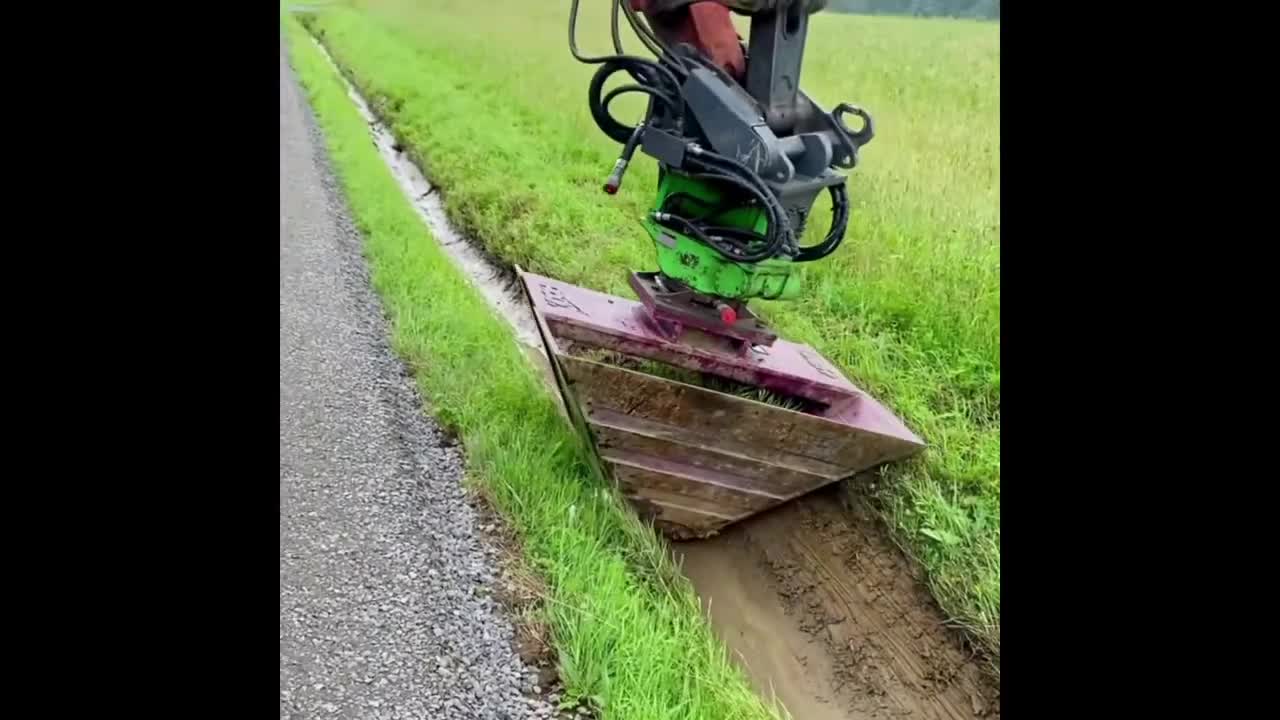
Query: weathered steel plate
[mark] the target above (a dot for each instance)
(690, 458)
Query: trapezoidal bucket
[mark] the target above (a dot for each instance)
(680, 427)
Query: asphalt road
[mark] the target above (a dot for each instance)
(385, 610)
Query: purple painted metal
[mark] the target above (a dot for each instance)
(623, 325)
(691, 458)
(673, 311)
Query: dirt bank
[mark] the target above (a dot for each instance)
(825, 612)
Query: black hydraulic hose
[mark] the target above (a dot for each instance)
(737, 234)
(735, 243)
(651, 92)
(714, 211)
(613, 27)
(599, 106)
(727, 165)
(736, 169)
(780, 232)
(718, 167)
(614, 182)
(731, 251)
(573, 38)
(665, 64)
(839, 224)
(661, 81)
(656, 79)
(650, 40)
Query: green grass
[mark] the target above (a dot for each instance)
(628, 629)
(490, 101)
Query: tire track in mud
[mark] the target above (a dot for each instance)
(853, 632)
(813, 599)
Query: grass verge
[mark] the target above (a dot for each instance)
(628, 632)
(488, 99)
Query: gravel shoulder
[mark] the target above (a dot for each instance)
(386, 586)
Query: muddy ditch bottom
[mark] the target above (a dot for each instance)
(812, 599)
(823, 611)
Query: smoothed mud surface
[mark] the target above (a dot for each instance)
(824, 611)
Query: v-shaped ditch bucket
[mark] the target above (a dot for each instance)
(676, 424)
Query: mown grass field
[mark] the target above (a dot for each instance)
(489, 99)
(628, 629)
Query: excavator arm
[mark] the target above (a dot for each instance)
(778, 32)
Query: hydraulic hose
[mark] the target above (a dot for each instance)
(660, 79)
(649, 82)
(839, 224)
(780, 236)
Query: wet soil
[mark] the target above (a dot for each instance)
(825, 613)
